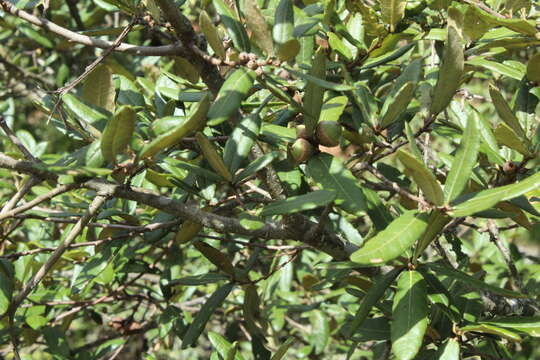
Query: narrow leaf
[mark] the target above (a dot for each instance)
(216, 257)
(314, 92)
(299, 203)
(486, 199)
(423, 177)
(464, 161)
(392, 241)
(196, 122)
(332, 174)
(450, 70)
(284, 22)
(504, 111)
(233, 25)
(375, 292)
(257, 165)
(117, 133)
(6, 285)
(231, 94)
(410, 315)
(449, 351)
(213, 158)
(506, 136)
(211, 34)
(197, 326)
(527, 325)
(259, 27)
(396, 105)
(282, 350)
(492, 329)
(436, 222)
(240, 141)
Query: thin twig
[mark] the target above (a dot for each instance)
(494, 237)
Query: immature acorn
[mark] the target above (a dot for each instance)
(301, 150)
(328, 133)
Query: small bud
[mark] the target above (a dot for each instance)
(252, 65)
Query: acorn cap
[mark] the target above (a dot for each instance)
(328, 133)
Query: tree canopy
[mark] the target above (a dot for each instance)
(269, 179)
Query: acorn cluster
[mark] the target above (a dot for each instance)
(327, 133)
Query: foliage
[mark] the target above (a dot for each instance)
(166, 193)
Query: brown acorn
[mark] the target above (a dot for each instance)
(301, 150)
(328, 133)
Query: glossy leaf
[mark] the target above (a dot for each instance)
(196, 121)
(234, 26)
(393, 241)
(240, 141)
(449, 351)
(203, 316)
(314, 92)
(519, 25)
(410, 315)
(98, 88)
(527, 325)
(504, 111)
(423, 177)
(392, 11)
(321, 83)
(496, 67)
(533, 68)
(506, 136)
(211, 34)
(333, 176)
(218, 258)
(185, 70)
(299, 203)
(492, 329)
(282, 350)
(222, 345)
(464, 161)
(213, 158)
(450, 70)
(339, 46)
(257, 165)
(486, 199)
(471, 281)
(395, 106)
(283, 23)
(436, 222)
(231, 94)
(118, 132)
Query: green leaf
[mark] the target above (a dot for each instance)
(233, 25)
(257, 165)
(196, 122)
(392, 11)
(393, 241)
(492, 329)
(518, 25)
(449, 351)
(320, 82)
(129, 93)
(450, 69)
(222, 345)
(282, 350)
(527, 325)
(506, 114)
(395, 106)
(284, 22)
(230, 95)
(506, 136)
(118, 132)
(240, 141)
(211, 155)
(211, 34)
(375, 292)
(502, 69)
(472, 281)
(98, 88)
(464, 161)
(57, 343)
(259, 27)
(339, 46)
(6, 285)
(533, 68)
(409, 315)
(333, 108)
(436, 222)
(299, 203)
(423, 177)
(196, 280)
(314, 92)
(486, 199)
(332, 174)
(199, 322)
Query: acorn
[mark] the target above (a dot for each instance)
(301, 131)
(328, 133)
(301, 150)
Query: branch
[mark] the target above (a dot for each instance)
(165, 50)
(73, 234)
